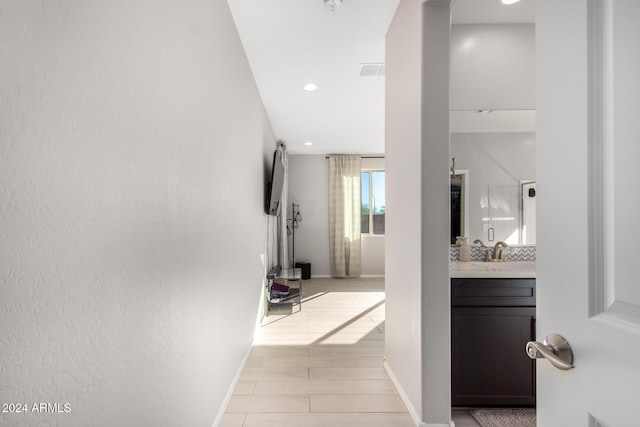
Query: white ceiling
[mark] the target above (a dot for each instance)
(492, 12)
(293, 42)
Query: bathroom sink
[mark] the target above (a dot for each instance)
(501, 266)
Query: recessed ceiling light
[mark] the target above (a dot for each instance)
(310, 87)
(509, 1)
(332, 5)
(308, 143)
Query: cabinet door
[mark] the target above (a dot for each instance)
(489, 364)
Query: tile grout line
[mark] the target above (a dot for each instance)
(331, 399)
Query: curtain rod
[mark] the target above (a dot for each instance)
(365, 157)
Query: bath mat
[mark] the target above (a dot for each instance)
(505, 417)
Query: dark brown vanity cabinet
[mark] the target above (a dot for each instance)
(491, 322)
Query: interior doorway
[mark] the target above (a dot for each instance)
(459, 204)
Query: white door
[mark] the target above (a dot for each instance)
(588, 151)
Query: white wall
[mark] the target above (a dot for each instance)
(372, 252)
(133, 147)
(417, 153)
(403, 211)
(309, 187)
(499, 159)
(435, 203)
(493, 66)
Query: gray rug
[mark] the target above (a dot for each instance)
(505, 417)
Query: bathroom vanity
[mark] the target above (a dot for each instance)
(492, 319)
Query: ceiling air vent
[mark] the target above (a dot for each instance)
(371, 70)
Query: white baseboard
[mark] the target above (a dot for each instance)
(232, 387)
(403, 396)
(407, 402)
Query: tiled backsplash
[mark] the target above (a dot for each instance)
(511, 253)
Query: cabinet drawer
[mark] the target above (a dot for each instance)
(493, 292)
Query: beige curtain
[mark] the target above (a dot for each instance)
(344, 215)
(284, 208)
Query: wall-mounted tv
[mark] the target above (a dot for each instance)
(274, 187)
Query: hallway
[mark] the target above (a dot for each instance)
(321, 366)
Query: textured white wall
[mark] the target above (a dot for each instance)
(309, 187)
(133, 145)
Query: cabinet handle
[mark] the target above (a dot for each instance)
(555, 349)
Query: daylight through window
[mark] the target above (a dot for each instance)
(373, 202)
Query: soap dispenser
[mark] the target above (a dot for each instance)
(465, 249)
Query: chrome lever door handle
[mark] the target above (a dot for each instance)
(555, 349)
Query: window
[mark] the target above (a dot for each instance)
(373, 203)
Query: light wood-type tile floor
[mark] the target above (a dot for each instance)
(320, 366)
(462, 418)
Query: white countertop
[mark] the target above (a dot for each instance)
(479, 269)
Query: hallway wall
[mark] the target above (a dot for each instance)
(417, 156)
(403, 322)
(133, 150)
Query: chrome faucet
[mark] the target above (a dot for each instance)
(498, 252)
(480, 242)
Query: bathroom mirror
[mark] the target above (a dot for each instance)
(492, 122)
(498, 196)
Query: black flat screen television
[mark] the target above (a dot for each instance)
(274, 187)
